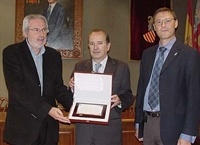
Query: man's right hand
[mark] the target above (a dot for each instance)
(58, 115)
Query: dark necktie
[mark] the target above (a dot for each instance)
(48, 12)
(97, 66)
(153, 98)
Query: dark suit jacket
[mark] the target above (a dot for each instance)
(56, 24)
(121, 87)
(27, 108)
(179, 91)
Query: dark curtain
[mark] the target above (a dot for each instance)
(141, 12)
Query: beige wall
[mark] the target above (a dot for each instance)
(7, 30)
(111, 15)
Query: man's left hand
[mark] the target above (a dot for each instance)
(115, 100)
(183, 142)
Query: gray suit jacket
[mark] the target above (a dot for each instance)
(56, 24)
(120, 86)
(179, 91)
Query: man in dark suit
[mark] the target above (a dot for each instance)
(33, 75)
(58, 36)
(111, 134)
(174, 117)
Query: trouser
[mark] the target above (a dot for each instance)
(152, 131)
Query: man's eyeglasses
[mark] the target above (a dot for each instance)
(166, 21)
(37, 30)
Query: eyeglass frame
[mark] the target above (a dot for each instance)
(37, 30)
(166, 21)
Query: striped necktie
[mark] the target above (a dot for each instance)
(153, 98)
(48, 12)
(97, 66)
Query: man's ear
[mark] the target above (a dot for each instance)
(109, 46)
(154, 27)
(176, 23)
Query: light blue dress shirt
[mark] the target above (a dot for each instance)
(38, 59)
(146, 106)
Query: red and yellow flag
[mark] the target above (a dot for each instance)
(189, 35)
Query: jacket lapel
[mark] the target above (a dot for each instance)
(149, 61)
(174, 52)
(54, 12)
(88, 66)
(111, 66)
(29, 63)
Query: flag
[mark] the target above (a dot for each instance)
(189, 35)
(197, 27)
(150, 36)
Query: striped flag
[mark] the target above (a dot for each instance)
(197, 27)
(150, 36)
(189, 35)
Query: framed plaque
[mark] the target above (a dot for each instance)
(92, 98)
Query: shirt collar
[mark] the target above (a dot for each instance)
(169, 44)
(52, 5)
(103, 62)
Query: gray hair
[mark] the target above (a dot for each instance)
(27, 19)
